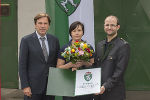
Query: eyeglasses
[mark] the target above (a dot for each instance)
(111, 25)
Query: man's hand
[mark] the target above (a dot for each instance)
(102, 90)
(27, 91)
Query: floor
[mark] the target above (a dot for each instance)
(16, 94)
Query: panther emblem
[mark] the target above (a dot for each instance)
(68, 6)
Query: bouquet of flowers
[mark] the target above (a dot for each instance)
(77, 52)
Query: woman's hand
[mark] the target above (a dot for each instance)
(76, 65)
(74, 69)
(61, 64)
(79, 64)
(83, 63)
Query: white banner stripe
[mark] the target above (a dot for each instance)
(85, 14)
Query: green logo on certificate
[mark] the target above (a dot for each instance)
(88, 76)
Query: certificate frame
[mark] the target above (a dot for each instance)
(63, 82)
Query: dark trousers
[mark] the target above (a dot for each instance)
(84, 97)
(39, 97)
(97, 97)
(100, 97)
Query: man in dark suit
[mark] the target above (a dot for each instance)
(38, 52)
(112, 55)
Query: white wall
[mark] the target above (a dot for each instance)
(27, 9)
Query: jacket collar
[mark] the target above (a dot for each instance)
(112, 41)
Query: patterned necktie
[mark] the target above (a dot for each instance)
(44, 48)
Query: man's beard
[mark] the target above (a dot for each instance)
(112, 34)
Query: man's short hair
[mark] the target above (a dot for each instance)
(40, 15)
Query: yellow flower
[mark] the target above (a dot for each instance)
(85, 46)
(73, 50)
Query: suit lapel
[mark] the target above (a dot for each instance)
(106, 52)
(50, 45)
(38, 46)
(99, 52)
(109, 48)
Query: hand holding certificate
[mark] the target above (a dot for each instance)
(64, 82)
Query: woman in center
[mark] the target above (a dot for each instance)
(76, 32)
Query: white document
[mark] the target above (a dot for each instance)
(88, 81)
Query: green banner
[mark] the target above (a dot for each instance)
(59, 21)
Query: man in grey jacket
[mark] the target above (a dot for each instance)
(112, 54)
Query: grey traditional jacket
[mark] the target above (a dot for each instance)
(113, 58)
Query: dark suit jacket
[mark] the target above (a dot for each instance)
(113, 63)
(33, 69)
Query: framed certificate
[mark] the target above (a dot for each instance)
(64, 82)
(87, 81)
